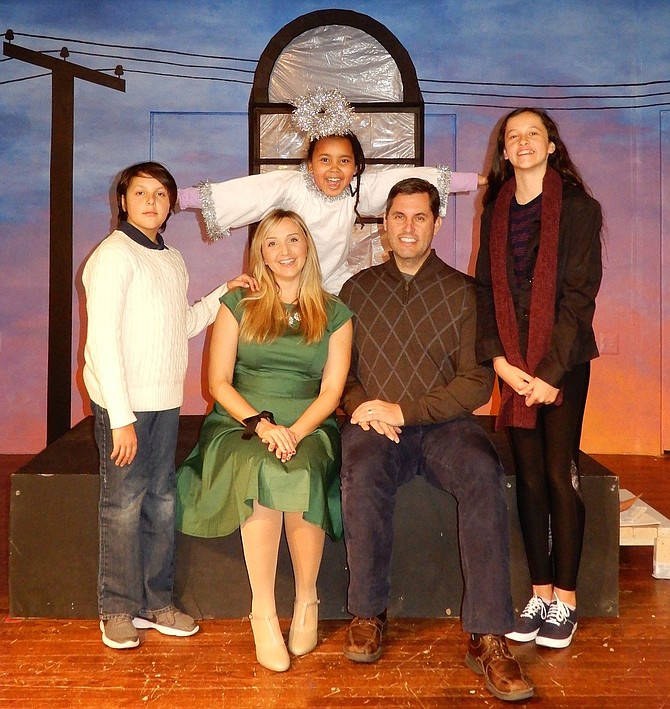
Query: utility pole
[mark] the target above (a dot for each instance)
(59, 375)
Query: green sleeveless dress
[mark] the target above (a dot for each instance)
(224, 474)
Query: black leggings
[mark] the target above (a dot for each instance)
(549, 498)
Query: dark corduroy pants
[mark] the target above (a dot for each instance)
(456, 456)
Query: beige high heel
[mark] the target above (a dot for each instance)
(302, 636)
(270, 648)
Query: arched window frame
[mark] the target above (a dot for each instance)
(260, 105)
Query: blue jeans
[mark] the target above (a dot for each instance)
(136, 516)
(456, 456)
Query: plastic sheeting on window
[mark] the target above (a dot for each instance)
(382, 135)
(336, 56)
(348, 59)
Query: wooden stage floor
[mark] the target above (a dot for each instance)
(612, 662)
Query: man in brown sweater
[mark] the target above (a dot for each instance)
(413, 385)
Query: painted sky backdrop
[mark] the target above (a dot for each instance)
(491, 55)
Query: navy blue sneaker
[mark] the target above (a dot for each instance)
(559, 627)
(529, 621)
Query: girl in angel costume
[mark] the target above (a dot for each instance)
(329, 191)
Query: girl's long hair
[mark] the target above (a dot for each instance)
(502, 170)
(264, 318)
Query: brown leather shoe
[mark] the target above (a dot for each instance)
(363, 641)
(489, 655)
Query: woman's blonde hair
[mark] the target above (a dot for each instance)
(264, 317)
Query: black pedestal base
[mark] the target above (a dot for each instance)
(53, 545)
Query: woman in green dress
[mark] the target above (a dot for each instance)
(269, 452)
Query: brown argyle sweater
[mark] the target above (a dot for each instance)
(414, 342)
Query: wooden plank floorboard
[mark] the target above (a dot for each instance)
(46, 663)
(613, 662)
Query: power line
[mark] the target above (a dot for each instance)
(161, 61)
(636, 84)
(427, 103)
(634, 98)
(183, 76)
(547, 86)
(24, 78)
(139, 49)
(553, 108)
(551, 98)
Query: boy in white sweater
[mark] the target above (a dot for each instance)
(139, 322)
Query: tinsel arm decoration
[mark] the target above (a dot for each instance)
(208, 210)
(443, 187)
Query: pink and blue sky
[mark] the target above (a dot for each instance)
(573, 49)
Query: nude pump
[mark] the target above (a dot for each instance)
(270, 648)
(302, 636)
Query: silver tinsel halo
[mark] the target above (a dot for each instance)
(322, 112)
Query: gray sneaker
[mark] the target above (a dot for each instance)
(170, 621)
(118, 632)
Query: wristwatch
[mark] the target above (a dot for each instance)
(251, 423)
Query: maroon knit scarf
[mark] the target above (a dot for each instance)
(513, 409)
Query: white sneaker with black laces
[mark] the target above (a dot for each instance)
(529, 621)
(559, 627)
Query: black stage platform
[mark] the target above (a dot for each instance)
(53, 544)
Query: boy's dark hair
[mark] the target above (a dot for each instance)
(146, 169)
(415, 185)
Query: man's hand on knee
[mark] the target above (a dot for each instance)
(378, 410)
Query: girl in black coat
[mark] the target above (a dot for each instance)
(538, 272)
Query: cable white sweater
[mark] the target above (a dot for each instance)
(139, 322)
